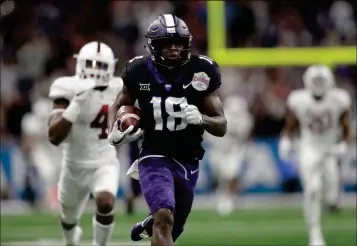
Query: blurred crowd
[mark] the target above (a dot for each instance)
(39, 38)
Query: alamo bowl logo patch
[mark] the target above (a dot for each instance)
(200, 81)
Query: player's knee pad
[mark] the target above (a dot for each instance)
(163, 217)
(105, 208)
(69, 215)
(105, 203)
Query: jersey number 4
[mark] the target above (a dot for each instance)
(173, 108)
(100, 121)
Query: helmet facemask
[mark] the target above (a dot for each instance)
(96, 63)
(100, 72)
(171, 51)
(318, 86)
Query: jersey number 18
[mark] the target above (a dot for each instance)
(174, 108)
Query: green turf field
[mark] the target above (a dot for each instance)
(261, 227)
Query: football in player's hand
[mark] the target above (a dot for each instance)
(127, 116)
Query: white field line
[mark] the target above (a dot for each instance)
(58, 242)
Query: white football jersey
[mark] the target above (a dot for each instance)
(319, 120)
(87, 144)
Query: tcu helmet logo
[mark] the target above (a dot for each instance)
(200, 81)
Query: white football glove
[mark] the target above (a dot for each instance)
(339, 149)
(74, 108)
(193, 115)
(284, 148)
(117, 137)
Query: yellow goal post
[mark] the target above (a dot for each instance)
(260, 57)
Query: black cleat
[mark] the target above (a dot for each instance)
(142, 230)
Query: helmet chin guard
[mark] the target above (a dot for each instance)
(96, 61)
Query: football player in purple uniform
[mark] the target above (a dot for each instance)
(177, 95)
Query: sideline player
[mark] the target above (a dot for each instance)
(79, 121)
(321, 111)
(44, 156)
(227, 155)
(177, 95)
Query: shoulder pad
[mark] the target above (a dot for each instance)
(295, 98)
(135, 62)
(63, 87)
(343, 98)
(206, 59)
(204, 62)
(132, 69)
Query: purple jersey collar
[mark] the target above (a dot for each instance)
(158, 77)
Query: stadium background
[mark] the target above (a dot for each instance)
(280, 38)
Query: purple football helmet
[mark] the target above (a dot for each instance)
(169, 41)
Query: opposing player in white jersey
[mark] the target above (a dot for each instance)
(43, 155)
(227, 154)
(79, 122)
(321, 111)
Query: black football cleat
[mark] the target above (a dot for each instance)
(142, 230)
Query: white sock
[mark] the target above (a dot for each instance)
(101, 233)
(225, 204)
(72, 237)
(332, 196)
(332, 183)
(312, 212)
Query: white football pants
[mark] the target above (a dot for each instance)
(76, 185)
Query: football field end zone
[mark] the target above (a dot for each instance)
(58, 242)
(259, 57)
